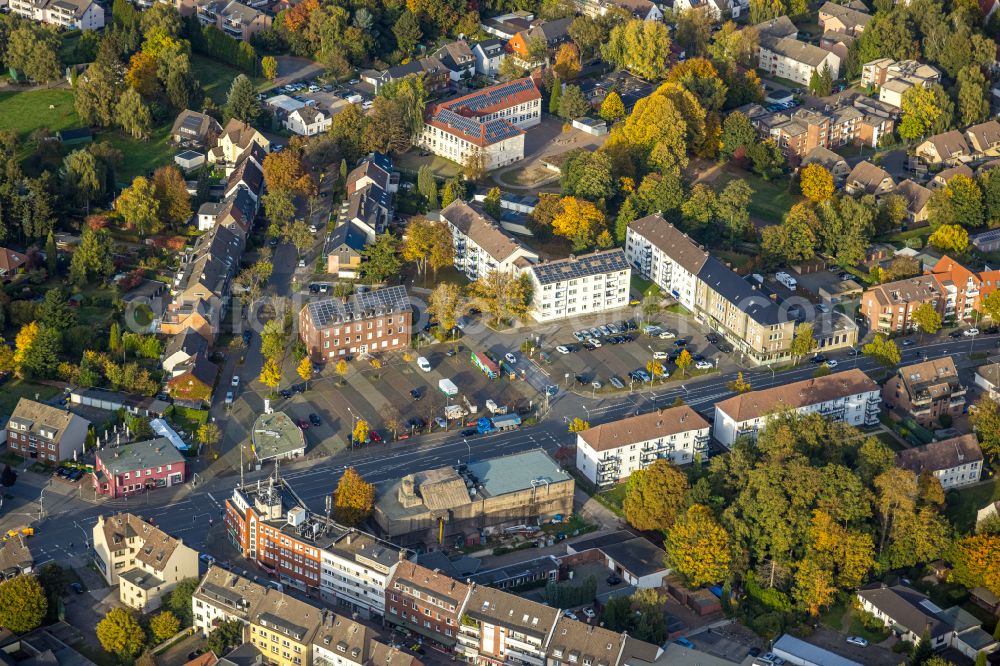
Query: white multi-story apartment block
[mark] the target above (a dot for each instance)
(955, 462)
(667, 256)
(582, 285)
(497, 627)
(69, 14)
(849, 396)
(489, 122)
(797, 61)
(609, 453)
(355, 568)
(481, 245)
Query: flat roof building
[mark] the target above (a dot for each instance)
(580, 285)
(276, 437)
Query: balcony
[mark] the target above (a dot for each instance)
(701, 443)
(956, 402)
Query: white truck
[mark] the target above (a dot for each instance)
(448, 387)
(787, 280)
(495, 408)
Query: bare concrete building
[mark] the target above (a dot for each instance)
(450, 503)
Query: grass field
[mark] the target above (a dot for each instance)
(963, 504)
(216, 77)
(16, 389)
(771, 199)
(24, 112)
(140, 156)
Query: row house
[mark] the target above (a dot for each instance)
(364, 323)
(237, 137)
(841, 18)
(482, 245)
(15, 557)
(579, 285)
(486, 125)
(917, 197)
(850, 396)
(942, 178)
(428, 603)
(926, 391)
(458, 59)
(37, 431)
(489, 53)
(145, 562)
(609, 453)
(66, 14)
(269, 526)
(120, 471)
(238, 210)
(955, 147)
(866, 178)
(954, 462)
(238, 20)
(433, 72)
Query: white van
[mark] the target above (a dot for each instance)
(424, 364)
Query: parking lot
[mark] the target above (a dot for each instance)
(328, 97)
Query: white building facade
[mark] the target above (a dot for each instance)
(356, 568)
(69, 14)
(588, 284)
(481, 245)
(666, 256)
(609, 453)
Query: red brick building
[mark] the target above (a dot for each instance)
(368, 322)
(426, 602)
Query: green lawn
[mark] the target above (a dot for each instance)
(141, 157)
(771, 199)
(216, 77)
(613, 498)
(26, 111)
(963, 504)
(16, 389)
(890, 441)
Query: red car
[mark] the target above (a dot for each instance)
(304, 424)
(377, 438)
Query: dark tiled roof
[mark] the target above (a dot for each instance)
(722, 280)
(671, 241)
(907, 608)
(938, 456)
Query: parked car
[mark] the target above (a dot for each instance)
(589, 613)
(613, 579)
(303, 424)
(415, 394)
(315, 420)
(970, 332)
(858, 640)
(441, 422)
(580, 335)
(617, 383)
(659, 355)
(683, 642)
(571, 615)
(375, 437)
(469, 432)
(832, 363)
(704, 365)
(817, 359)
(563, 349)
(510, 358)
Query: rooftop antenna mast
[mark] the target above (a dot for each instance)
(241, 465)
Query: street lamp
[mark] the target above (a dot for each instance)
(468, 446)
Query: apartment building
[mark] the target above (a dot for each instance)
(841, 18)
(926, 391)
(363, 323)
(802, 131)
(428, 603)
(497, 627)
(609, 453)
(849, 396)
(145, 562)
(959, 288)
(42, 432)
(894, 78)
(488, 124)
(797, 61)
(888, 307)
(662, 253)
(481, 245)
(239, 21)
(67, 14)
(553, 33)
(489, 54)
(223, 596)
(580, 285)
(127, 469)
(270, 526)
(954, 462)
(640, 9)
(340, 641)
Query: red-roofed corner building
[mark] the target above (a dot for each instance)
(490, 122)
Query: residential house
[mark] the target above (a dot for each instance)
(125, 469)
(481, 245)
(849, 396)
(713, 9)
(988, 241)
(11, 262)
(954, 462)
(926, 391)
(247, 174)
(987, 377)
(308, 121)
(238, 210)
(866, 178)
(609, 453)
(489, 53)
(282, 105)
(839, 43)
(42, 432)
(345, 250)
(969, 638)
(497, 626)
(428, 603)
(842, 19)
(984, 138)
(486, 125)
(235, 19)
(894, 78)
(829, 160)
(198, 316)
(369, 209)
(916, 197)
(276, 437)
(66, 14)
(553, 33)
(458, 59)
(224, 596)
(145, 562)
(640, 9)
(374, 169)
(15, 557)
(435, 75)
(193, 381)
(578, 285)
(208, 269)
(907, 612)
(941, 178)
(364, 323)
(889, 307)
(236, 139)
(196, 128)
(181, 348)
(797, 61)
(948, 148)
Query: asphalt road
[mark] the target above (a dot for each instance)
(190, 511)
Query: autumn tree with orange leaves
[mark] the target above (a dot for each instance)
(284, 172)
(975, 561)
(354, 499)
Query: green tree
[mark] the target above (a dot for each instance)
(33, 50)
(82, 177)
(170, 191)
(23, 604)
(626, 215)
(382, 260)
(55, 311)
(163, 625)
(766, 157)
(972, 96)
(409, 98)
(95, 95)
(504, 297)
(554, 96)
(642, 47)
(138, 205)
(821, 81)
(407, 32)
(654, 496)
(427, 185)
(225, 637)
(795, 239)
(241, 101)
(733, 207)
(846, 228)
(986, 421)
(51, 255)
(179, 600)
(920, 111)
(738, 135)
(279, 208)
(883, 350)
(572, 103)
(120, 633)
(700, 207)
(133, 115)
(803, 341)
(926, 318)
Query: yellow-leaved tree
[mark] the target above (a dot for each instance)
(22, 344)
(975, 559)
(354, 498)
(270, 374)
(950, 237)
(580, 221)
(305, 370)
(816, 183)
(698, 547)
(578, 425)
(361, 430)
